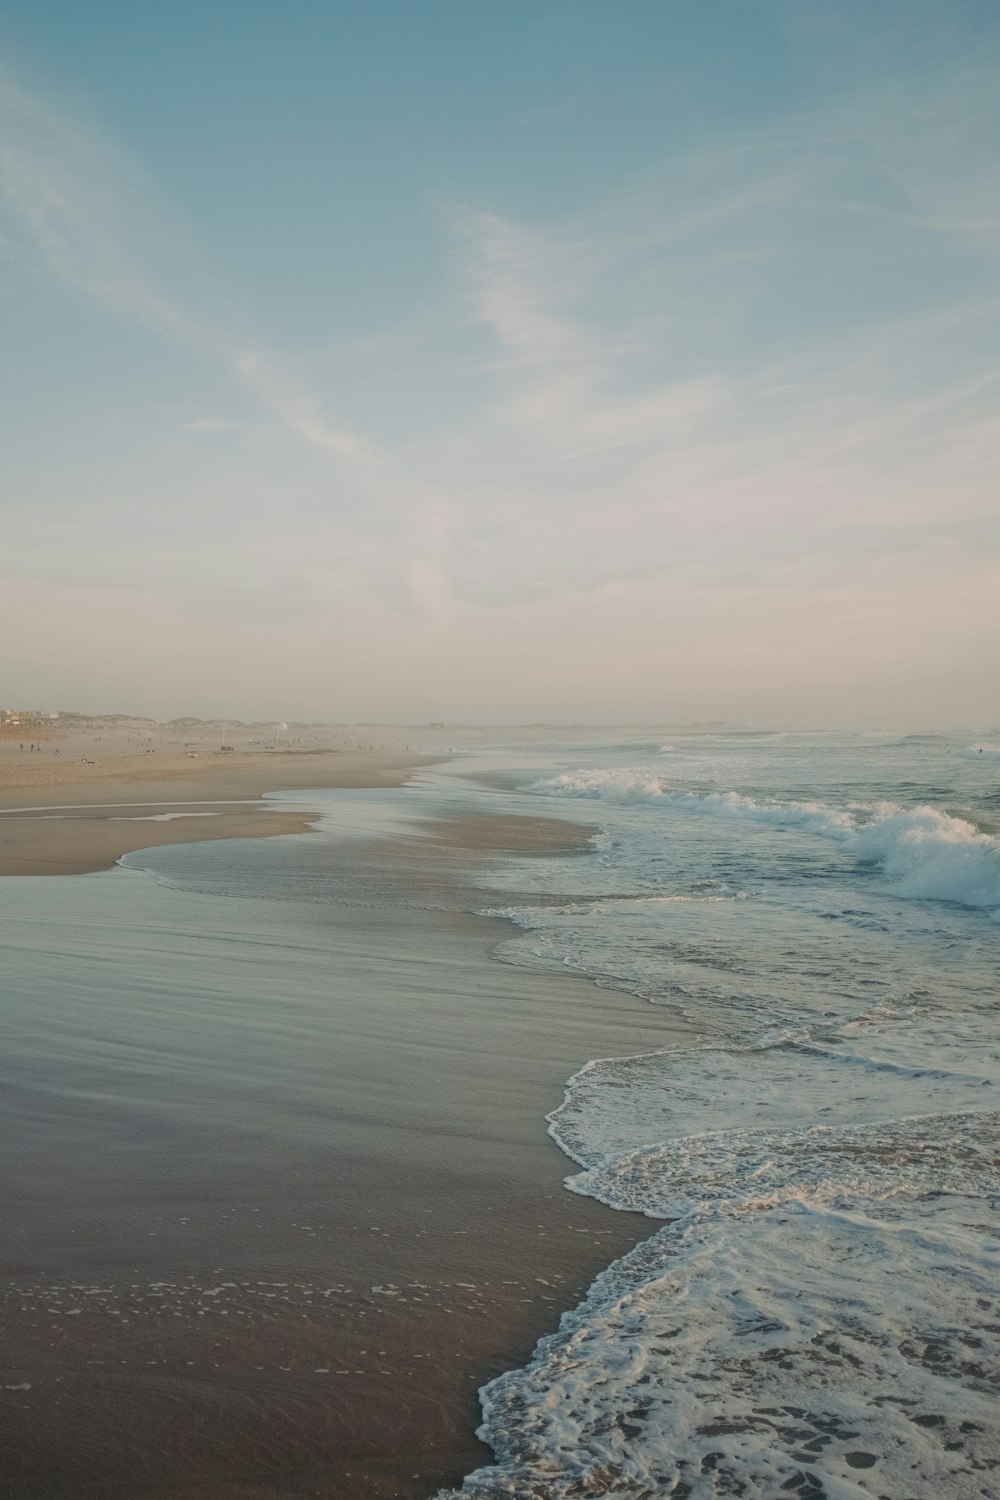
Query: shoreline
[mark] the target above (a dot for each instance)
(56, 821)
(346, 1215)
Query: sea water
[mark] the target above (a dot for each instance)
(817, 1309)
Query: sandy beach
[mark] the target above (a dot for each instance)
(278, 1196)
(89, 795)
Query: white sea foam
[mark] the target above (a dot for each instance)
(927, 853)
(930, 855)
(638, 785)
(690, 1105)
(819, 1316)
(799, 1349)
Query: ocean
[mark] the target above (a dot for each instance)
(816, 1310)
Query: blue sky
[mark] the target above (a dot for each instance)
(502, 361)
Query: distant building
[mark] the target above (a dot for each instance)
(25, 718)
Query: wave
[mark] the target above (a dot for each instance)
(820, 1313)
(926, 854)
(828, 1312)
(930, 855)
(815, 1313)
(624, 787)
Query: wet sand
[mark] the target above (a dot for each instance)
(265, 1235)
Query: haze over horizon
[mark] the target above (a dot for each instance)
(561, 361)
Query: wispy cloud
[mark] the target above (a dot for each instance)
(298, 409)
(689, 370)
(91, 214)
(762, 375)
(79, 199)
(558, 376)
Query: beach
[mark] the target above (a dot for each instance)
(282, 1218)
(278, 1194)
(89, 795)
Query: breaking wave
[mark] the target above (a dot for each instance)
(926, 853)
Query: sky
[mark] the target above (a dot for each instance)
(502, 360)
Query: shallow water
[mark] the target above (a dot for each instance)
(820, 1314)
